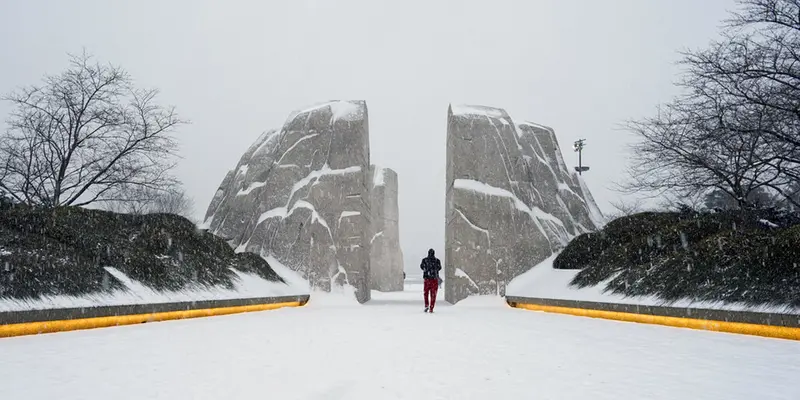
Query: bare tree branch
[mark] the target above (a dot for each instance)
(84, 136)
(736, 129)
(148, 200)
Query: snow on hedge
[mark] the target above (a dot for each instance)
(544, 281)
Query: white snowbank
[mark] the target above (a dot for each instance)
(544, 281)
(395, 351)
(246, 285)
(293, 278)
(339, 296)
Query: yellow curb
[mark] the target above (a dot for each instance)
(34, 328)
(781, 332)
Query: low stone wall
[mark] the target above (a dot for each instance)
(18, 323)
(784, 326)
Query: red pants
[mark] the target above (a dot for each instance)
(431, 287)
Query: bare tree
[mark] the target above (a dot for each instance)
(720, 200)
(625, 208)
(144, 200)
(758, 63)
(692, 147)
(173, 202)
(85, 135)
(735, 132)
(136, 201)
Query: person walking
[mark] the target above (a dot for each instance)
(430, 267)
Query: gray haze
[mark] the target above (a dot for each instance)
(237, 68)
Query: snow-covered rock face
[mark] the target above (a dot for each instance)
(301, 195)
(386, 258)
(511, 200)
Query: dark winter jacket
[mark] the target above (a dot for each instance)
(430, 266)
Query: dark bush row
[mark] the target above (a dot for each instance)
(64, 250)
(731, 256)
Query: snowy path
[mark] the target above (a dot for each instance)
(334, 349)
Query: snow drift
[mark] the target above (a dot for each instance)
(546, 282)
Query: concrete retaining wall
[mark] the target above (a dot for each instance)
(784, 326)
(18, 323)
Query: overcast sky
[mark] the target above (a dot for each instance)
(237, 68)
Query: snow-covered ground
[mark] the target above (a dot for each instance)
(335, 348)
(544, 281)
(246, 285)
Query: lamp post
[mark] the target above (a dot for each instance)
(578, 146)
